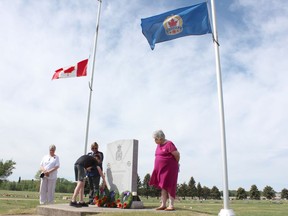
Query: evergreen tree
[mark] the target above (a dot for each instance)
(215, 193)
(139, 185)
(206, 192)
(268, 192)
(182, 190)
(254, 193)
(241, 194)
(199, 190)
(192, 188)
(146, 186)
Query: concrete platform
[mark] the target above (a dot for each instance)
(66, 210)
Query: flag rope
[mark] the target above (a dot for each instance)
(214, 40)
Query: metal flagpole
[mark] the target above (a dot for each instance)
(92, 75)
(225, 211)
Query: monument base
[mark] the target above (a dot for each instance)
(226, 212)
(137, 205)
(136, 202)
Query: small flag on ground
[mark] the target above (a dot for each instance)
(192, 20)
(80, 69)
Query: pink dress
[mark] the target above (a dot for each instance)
(165, 173)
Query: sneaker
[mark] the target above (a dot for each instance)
(75, 204)
(83, 204)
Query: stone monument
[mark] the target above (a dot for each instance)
(121, 161)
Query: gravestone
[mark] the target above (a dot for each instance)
(121, 162)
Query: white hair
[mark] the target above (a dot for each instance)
(52, 147)
(159, 134)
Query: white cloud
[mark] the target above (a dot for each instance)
(137, 91)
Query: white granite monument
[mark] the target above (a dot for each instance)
(121, 162)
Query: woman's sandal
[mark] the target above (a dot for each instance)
(169, 209)
(161, 208)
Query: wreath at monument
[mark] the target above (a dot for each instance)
(125, 200)
(106, 198)
(112, 199)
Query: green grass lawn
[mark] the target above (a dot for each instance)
(22, 202)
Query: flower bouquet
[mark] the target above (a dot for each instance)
(106, 198)
(125, 200)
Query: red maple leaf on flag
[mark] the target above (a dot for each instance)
(69, 70)
(172, 23)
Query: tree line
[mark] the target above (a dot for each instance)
(184, 190)
(196, 191)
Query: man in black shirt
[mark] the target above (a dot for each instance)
(82, 165)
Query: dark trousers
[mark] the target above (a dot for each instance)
(94, 182)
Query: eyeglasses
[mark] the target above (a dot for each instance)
(94, 148)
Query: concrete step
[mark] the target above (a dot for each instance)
(67, 210)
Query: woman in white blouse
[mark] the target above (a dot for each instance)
(48, 166)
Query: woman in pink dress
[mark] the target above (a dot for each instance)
(166, 167)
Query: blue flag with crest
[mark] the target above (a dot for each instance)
(192, 20)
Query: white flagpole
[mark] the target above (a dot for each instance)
(92, 75)
(225, 211)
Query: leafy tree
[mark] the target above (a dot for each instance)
(12, 186)
(192, 188)
(241, 194)
(206, 192)
(268, 192)
(65, 186)
(62, 185)
(37, 175)
(254, 193)
(215, 193)
(6, 168)
(284, 194)
(199, 190)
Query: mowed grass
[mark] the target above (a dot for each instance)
(22, 202)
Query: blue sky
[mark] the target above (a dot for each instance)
(137, 91)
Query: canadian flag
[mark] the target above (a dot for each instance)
(80, 69)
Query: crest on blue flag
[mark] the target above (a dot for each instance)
(173, 25)
(192, 20)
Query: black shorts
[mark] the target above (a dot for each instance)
(80, 172)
